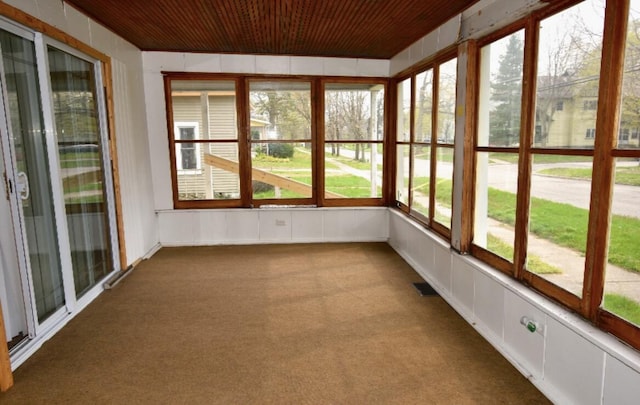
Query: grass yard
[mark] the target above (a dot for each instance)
(623, 307)
(566, 225)
(535, 263)
(563, 224)
(624, 175)
(513, 158)
(70, 160)
(356, 164)
(346, 185)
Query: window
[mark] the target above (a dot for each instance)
(281, 155)
(353, 140)
(558, 223)
(292, 150)
(403, 138)
(205, 140)
(621, 288)
(573, 188)
(623, 136)
(425, 131)
(498, 138)
(187, 153)
(590, 133)
(421, 147)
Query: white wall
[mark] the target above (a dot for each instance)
(272, 225)
(567, 358)
(480, 19)
(157, 62)
(130, 120)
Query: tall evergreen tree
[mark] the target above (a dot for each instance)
(506, 94)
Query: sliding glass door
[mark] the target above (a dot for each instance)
(24, 125)
(80, 149)
(56, 164)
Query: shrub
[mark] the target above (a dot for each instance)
(281, 150)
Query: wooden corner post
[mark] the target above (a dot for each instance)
(6, 376)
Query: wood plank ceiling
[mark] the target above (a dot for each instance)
(342, 28)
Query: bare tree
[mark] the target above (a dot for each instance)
(568, 66)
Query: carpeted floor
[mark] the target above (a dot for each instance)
(269, 324)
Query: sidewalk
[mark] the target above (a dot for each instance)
(617, 279)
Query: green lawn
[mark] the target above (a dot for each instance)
(81, 159)
(535, 263)
(563, 224)
(566, 225)
(513, 158)
(623, 307)
(624, 175)
(298, 168)
(356, 164)
(345, 185)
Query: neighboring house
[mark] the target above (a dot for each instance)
(209, 115)
(570, 116)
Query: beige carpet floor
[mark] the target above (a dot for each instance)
(269, 324)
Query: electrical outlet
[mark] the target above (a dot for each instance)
(281, 222)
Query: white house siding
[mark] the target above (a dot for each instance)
(216, 120)
(222, 125)
(191, 184)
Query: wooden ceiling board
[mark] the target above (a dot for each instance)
(342, 28)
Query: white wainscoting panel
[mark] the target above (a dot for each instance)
(568, 359)
(272, 225)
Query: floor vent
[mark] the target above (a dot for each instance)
(424, 289)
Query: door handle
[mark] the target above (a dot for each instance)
(22, 185)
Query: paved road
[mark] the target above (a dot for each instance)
(571, 191)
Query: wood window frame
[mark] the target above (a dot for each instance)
(322, 141)
(434, 64)
(604, 153)
(242, 89)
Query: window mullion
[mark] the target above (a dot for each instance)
(434, 137)
(607, 123)
(317, 142)
(527, 127)
(244, 150)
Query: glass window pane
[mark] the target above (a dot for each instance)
(558, 218)
(354, 111)
(80, 150)
(402, 174)
(216, 179)
(281, 170)
(205, 110)
(495, 202)
(403, 126)
(209, 103)
(423, 113)
(447, 101)
(421, 180)
(501, 91)
(353, 170)
(569, 54)
(622, 277)
(24, 110)
(284, 107)
(629, 134)
(444, 186)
